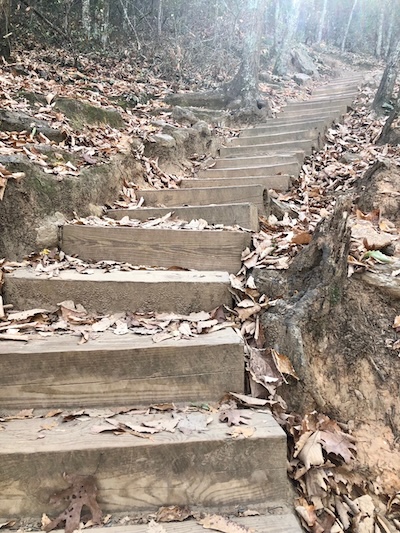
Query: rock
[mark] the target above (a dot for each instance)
(302, 61)
(302, 79)
(184, 115)
(163, 139)
(364, 231)
(47, 232)
(202, 128)
(13, 121)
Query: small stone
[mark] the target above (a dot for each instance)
(302, 79)
(162, 139)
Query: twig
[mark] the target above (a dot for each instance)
(376, 367)
(46, 20)
(131, 25)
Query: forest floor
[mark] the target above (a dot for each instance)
(356, 358)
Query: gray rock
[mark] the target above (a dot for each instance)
(18, 121)
(163, 139)
(185, 115)
(202, 128)
(302, 79)
(303, 63)
(47, 232)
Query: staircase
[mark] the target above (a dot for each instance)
(204, 468)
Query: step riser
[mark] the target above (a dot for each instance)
(244, 215)
(316, 126)
(252, 194)
(282, 120)
(142, 476)
(312, 113)
(199, 250)
(115, 372)
(237, 151)
(102, 295)
(279, 183)
(254, 161)
(274, 138)
(292, 168)
(311, 106)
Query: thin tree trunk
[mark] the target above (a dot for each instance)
(159, 18)
(282, 60)
(4, 28)
(388, 81)
(379, 38)
(346, 33)
(105, 24)
(322, 21)
(86, 19)
(388, 41)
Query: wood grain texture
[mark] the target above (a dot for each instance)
(266, 523)
(109, 292)
(243, 214)
(253, 194)
(259, 149)
(206, 468)
(279, 183)
(273, 137)
(271, 170)
(273, 159)
(199, 250)
(117, 370)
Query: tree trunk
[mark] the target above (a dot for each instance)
(385, 90)
(379, 37)
(282, 60)
(322, 21)
(86, 18)
(159, 18)
(245, 83)
(346, 33)
(5, 49)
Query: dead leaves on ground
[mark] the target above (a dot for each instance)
(81, 492)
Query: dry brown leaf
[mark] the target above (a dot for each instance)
(339, 444)
(24, 315)
(82, 492)
(240, 432)
(283, 364)
(311, 449)
(153, 527)
(235, 417)
(173, 513)
(220, 523)
(302, 238)
(249, 400)
(396, 323)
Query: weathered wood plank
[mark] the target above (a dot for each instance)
(258, 149)
(205, 468)
(243, 214)
(109, 292)
(198, 250)
(279, 183)
(118, 370)
(253, 194)
(270, 523)
(273, 138)
(248, 162)
(264, 170)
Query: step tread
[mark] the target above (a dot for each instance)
(270, 523)
(193, 249)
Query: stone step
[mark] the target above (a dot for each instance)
(191, 249)
(265, 170)
(279, 522)
(110, 292)
(204, 468)
(253, 194)
(115, 370)
(250, 162)
(305, 146)
(244, 215)
(273, 138)
(279, 183)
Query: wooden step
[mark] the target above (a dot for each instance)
(279, 183)
(197, 250)
(297, 113)
(253, 194)
(269, 128)
(244, 215)
(115, 370)
(110, 292)
(283, 119)
(273, 137)
(315, 104)
(264, 170)
(205, 469)
(305, 146)
(249, 162)
(279, 522)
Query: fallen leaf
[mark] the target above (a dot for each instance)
(223, 524)
(240, 432)
(173, 513)
(235, 417)
(302, 238)
(283, 364)
(153, 527)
